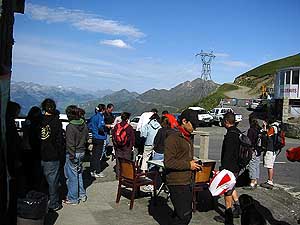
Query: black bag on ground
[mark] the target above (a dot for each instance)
(243, 179)
(33, 206)
(205, 201)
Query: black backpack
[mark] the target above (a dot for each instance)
(245, 151)
(261, 143)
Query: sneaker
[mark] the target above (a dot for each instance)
(68, 202)
(148, 188)
(99, 175)
(83, 198)
(237, 211)
(59, 207)
(92, 174)
(267, 185)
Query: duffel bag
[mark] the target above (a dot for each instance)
(293, 154)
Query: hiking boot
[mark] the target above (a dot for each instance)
(267, 185)
(237, 211)
(228, 217)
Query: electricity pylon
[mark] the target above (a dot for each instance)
(206, 59)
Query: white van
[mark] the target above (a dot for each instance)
(205, 119)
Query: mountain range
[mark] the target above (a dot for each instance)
(184, 94)
(29, 94)
(172, 100)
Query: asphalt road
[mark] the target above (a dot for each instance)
(286, 175)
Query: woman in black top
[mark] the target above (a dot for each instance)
(253, 134)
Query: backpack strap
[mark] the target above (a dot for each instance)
(126, 125)
(122, 128)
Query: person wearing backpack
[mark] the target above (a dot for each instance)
(253, 166)
(230, 161)
(123, 139)
(274, 145)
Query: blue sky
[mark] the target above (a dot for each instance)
(139, 44)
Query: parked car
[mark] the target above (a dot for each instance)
(134, 121)
(19, 124)
(254, 103)
(218, 114)
(21, 120)
(204, 118)
(64, 119)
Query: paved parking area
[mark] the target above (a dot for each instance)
(278, 206)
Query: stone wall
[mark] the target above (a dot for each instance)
(292, 130)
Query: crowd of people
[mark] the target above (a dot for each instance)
(48, 154)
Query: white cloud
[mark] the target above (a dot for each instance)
(221, 54)
(116, 43)
(81, 20)
(235, 64)
(53, 62)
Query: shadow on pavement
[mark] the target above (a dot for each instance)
(266, 213)
(160, 211)
(139, 194)
(50, 218)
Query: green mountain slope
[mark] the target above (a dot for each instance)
(214, 98)
(266, 71)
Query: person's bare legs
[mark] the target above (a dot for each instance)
(235, 196)
(270, 174)
(228, 201)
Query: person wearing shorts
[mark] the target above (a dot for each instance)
(270, 154)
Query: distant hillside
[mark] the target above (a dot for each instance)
(172, 100)
(266, 72)
(180, 95)
(214, 98)
(252, 79)
(28, 94)
(118, 98)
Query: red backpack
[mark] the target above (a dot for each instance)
(293, 154)
(121, 137)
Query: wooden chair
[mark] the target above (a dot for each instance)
(130, 176)
(201, 180)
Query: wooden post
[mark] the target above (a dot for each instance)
(204, 144)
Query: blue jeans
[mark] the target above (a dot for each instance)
(73, 173)
(106, 143)
(254, 167)
(156, 156)
(51, 173)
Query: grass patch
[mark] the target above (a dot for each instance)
(214, 99)
(271, 67)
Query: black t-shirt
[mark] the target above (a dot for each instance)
(108, 118)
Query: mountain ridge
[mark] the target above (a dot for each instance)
(29, 94)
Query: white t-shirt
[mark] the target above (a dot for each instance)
(144, 119)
